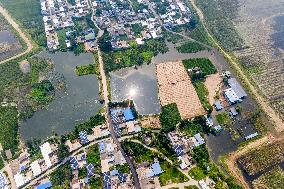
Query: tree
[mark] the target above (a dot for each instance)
(169, 117)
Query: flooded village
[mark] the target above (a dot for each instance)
(122, 96)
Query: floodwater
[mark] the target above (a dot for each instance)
(221, 144)
(138, 84)
(277, 37)
(7, 37)
(75, 105)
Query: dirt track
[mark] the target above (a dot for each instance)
(8, 17)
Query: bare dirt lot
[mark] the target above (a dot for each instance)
(175, 87)
(213, 84)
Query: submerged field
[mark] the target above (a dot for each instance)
(253, 31)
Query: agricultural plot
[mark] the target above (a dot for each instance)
(175, 87)
(262, 158)
(273, 179)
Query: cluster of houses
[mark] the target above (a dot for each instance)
(58, 14)
(124, 24)
(177, 13)
(111, 157)
(98, 132)
(147, 174)
(124, 121)
(183, 144)
(24, 170)
(233, 94)
(79, 162)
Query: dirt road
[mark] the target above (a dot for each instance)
(10, 20)
(272, 114)
(232, 158)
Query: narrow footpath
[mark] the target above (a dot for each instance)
(10, 20)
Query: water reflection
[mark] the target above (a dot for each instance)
(139, 85)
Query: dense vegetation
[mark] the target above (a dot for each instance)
(138, 152)
(42, 93)
(200, 68)
(192, 127)
(171, 174)
(93, 157)
(86, 69)
(202, 93)
(135, 55)
(28, 13)
(169, 117)
(95, 120)
(9, 128)
(122, 168)
(62, 176)
(205, 65)
(206, 168)
(224, 119)
(141, 154)
(190, 47)
(162, 143)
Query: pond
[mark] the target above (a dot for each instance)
(75, 105)
(138, 84)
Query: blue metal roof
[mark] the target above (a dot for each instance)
(83, 137)
(44, 186)
(102, 147)
(90, 170)
(127, 114)
(122, 177)
(155, 169)
(2, 181)
(107, 180)
(179, 150)
(114, 172)
(74, 163)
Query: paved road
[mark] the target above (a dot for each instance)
(126, 157)
(10, 20)
(109, 122)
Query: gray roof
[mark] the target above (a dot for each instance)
(234, 84)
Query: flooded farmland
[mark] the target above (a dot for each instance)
(75, 104)
(137, 84)
(261, 25)
(9, 44)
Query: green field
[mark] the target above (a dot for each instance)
(205, 65)
(190, 47)
(169, 117)
(9, 128)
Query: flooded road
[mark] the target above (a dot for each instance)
(74, 105)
